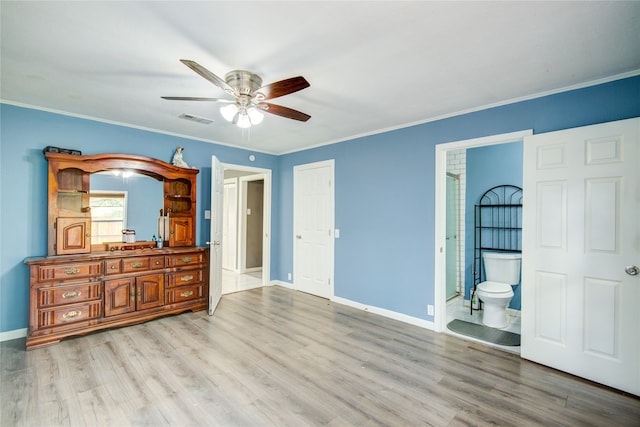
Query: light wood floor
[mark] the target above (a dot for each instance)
(276, 357)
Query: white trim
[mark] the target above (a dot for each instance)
(478, 108)
(12, 335)
(422, 323)
(321, 164)
(266, 175)
(282, 283)
(582, 85)
(440, 318)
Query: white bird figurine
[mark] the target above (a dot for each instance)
(177, 158)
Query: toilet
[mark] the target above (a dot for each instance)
(502, 271)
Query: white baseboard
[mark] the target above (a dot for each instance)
(427, 324)
(12, 335)
(281, 283)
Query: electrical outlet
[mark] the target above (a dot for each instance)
(430, 310)
(289, 276)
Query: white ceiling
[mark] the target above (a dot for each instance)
(372, 66)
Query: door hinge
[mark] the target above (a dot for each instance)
(329, 281)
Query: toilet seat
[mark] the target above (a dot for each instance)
(495, 287)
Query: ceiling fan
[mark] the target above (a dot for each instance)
(249, 95)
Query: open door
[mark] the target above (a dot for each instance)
(215, 253)
(581, 257)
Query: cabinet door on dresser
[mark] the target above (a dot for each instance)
(73, 235)
(133, 293)
(149, 291)
(180, 232)
(119, 296)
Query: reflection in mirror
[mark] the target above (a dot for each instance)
(140, 212)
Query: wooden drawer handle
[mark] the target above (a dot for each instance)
(186, 294)
(187, 259)
(186, 278)
(72, 270)
(71, 294)
(71, 314)
(136, 265)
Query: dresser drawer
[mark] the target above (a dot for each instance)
(156, 262)
(184, 293)
(113, 266)
(58, 295)
(136, 264)
(69, 313)
(69, 271)
(185, 277)
(186, 259)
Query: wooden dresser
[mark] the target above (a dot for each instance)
(83, 286)
(77, 294)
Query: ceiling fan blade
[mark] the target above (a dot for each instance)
(192, 98)
(209, 76)
(287, 112)
(284, 87)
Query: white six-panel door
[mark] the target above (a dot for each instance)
(581, 222)
(313, 219)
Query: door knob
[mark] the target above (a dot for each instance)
(298, 236)
(632, 270)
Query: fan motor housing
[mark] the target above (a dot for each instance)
(245, 82)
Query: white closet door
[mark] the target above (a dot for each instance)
(313, 228)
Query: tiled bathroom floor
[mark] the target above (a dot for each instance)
(457, 310)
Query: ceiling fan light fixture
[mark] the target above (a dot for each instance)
(243, 121)
(229, 112)
(255, 116)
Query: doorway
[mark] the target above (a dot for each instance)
(247, 228)
(441, 264)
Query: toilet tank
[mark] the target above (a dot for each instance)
(502, 267)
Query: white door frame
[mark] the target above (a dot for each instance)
(266, 220)
(440, 314)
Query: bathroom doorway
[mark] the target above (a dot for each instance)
(451, 160)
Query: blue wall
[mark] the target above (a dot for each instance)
(488, 167)
(384, 189)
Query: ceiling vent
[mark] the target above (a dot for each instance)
(196, 119)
